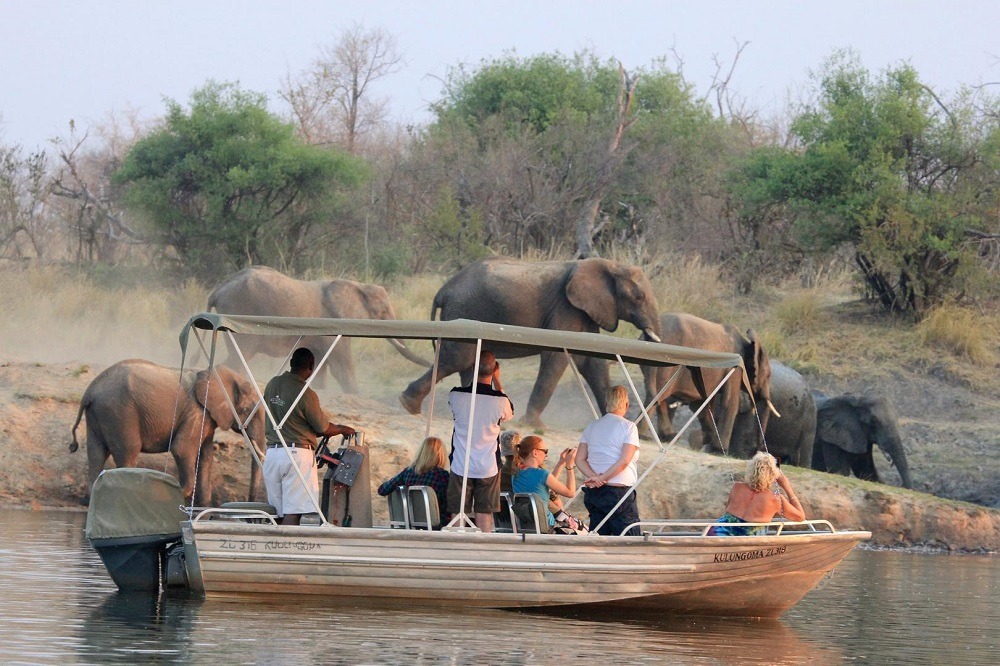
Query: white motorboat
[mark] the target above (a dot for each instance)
(674, 566)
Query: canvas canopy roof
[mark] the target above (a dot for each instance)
(464, 330)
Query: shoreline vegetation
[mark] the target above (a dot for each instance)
(949, 405)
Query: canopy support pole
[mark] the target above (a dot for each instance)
(461, 521)
(663, 451)
(277, 427)
(434, 381)
(583, 387)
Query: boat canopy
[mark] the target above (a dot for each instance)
(609, 347)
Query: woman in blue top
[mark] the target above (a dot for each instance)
(530, 477)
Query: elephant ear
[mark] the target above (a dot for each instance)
(209, 392)
(591, 288)
(838, 422)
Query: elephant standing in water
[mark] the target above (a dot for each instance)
(259, 290)
(846, 428)
(689, 331)
(789, 438)
(130, 409)
(581, 296)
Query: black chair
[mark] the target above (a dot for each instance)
(529, 509)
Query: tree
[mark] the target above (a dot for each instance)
(24, 224)
(91, 205)
(331, 101)
(226, 183)
(555, 151)
(885, 166)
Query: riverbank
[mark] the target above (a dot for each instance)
(39, 402)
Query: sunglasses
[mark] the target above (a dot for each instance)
(545, 451)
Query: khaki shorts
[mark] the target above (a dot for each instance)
(285, 491)
(481, 495)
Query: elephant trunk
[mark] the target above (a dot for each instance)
(408, 354)
(888, 439)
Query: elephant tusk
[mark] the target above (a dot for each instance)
(771, 408)
(651, 335)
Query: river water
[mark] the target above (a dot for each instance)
(57, 605)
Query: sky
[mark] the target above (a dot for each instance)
(85, 59)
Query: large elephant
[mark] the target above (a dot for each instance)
(846, 428)
(582, 296)
(788, 438)
(131, 407)
(259, 290)
(716, 421)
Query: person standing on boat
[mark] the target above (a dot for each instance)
(482, 437)
(751, 502)
(609, 448)
(285, 491)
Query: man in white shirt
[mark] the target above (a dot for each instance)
(482, 437)
(609, 448)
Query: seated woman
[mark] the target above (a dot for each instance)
(429, 468)
(530, 477)
(753, 501)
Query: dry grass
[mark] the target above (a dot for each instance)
(961, 332)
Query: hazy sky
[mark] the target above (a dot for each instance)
(83, 59)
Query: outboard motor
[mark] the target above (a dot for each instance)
(134, 516)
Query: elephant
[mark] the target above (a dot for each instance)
(689, 331)
(583, 295)
(846, 428)
(259, 290)
(131, 407)
(788, 438)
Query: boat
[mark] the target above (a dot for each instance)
(674, 566)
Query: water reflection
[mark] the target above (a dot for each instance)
(57, 605)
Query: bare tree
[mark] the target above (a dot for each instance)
(331, 101)
(24, 219)
(92, 208)
(587, 221)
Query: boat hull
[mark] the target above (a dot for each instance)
(742, 576)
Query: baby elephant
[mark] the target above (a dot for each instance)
(131, 409)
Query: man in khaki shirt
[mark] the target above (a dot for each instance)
(305, 422)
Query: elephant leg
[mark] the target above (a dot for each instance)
(837, 460)
(342, 366)
(709, 437)
(203, 489)
(863, 467)
(550, 368)
(598, 377)
(97, 456)
(451, 359)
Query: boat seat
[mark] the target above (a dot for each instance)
(399, 512)
(249, 507)
(504, 520)
(424, 513)
(529, 509)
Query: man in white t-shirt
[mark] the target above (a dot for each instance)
(609, 448)
(482, 436)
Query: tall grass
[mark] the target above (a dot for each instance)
(53, 314)
(961, 331)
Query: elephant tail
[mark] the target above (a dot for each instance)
(435, 307)
(74, 445)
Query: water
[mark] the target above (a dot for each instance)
(57, 605)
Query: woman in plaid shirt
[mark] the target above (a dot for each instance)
(429, 468)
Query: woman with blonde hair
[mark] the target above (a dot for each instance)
(429, 468)
(752, 501)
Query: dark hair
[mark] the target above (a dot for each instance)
(302, 359)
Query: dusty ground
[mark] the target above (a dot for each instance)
(39, 401)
